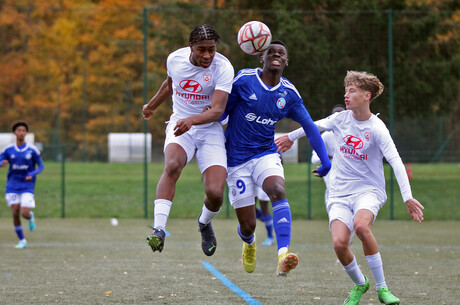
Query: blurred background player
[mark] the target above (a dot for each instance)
(357, 181)
(264, 214)
(330, 143)
(198, 76)
(259, 99)
(25, 164)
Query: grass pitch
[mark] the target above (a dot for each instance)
(97, 190)
(89, 261)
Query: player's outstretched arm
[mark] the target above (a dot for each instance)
(213, 114)
(162, 94)
(284, 143)
(415, 209)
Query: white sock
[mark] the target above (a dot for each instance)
(207, 215)
(282, 250)
(376, 265)
(161, 213)
(354, 272)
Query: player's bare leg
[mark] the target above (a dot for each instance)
(362, 227)
(175, 161)
(15, 209)
(29, 215)
(267, 218)
(214, 184)
(247, 226)
(340, 240)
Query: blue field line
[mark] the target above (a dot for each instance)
(244, 295)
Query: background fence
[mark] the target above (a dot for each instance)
(79, 73)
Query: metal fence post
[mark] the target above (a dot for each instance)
(144, 31)
(62, 181)
(391, 101)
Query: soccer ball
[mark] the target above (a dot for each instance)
(254, 37)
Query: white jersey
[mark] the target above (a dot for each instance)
(193, 86)
(358, 156)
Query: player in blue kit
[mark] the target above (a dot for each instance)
(25, 163)
(259, 99)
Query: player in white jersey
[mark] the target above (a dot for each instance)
(198, 77)
(357, 181)
(25, 164)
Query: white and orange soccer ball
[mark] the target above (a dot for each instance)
(254, 37)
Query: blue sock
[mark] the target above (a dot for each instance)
(247, 239)
(19, 232)
(259, 214)
(282, 222)
(268, 221)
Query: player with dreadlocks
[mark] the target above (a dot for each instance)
(198, 77)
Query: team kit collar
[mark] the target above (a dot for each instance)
(258, 71)
(26, 146)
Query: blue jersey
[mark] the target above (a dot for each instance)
(254, 109)
(24, 161)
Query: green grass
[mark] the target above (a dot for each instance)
(117, 190)
(88, 261)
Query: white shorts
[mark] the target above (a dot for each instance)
(345, 208)
(243, 179)
(208, 143)
(26, 200)
(261, 194)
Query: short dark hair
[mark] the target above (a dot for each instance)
(20, 123)
(203, 32)
(280, 43)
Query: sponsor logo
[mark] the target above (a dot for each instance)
(253, 117)
(191, 98)
(351, 153)
(253, 97)
(191, 86)
(354, 144)
(283, 220)
(353, 141)
(280, 103)
(210, 249)
(21, 167)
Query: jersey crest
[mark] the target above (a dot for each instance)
(280, 103)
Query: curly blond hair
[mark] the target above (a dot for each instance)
(365, 81)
